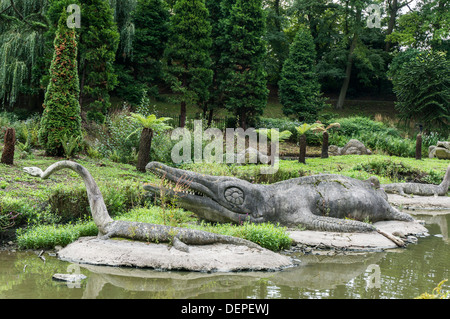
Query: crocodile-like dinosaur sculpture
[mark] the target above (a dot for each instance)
(109, 228)
(420, 189)
(323, 202)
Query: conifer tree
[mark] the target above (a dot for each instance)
(99, 41)
(245, 86)
(61, 116)
(151, 22)
(187, 54)
(299, 88)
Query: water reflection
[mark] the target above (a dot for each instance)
(315, 272)
(403, 273)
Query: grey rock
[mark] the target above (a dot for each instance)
(69, 277)
(442, 153)
(353, 147)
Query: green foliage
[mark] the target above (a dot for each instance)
(151, 20)
(245, 84)
(273, 133)
(71, 203)
(70, 145)
(380, 137)
(49, 236)
(399, 171)
(428, 24)
(187, 53)
(98, 46)
(422, 87)
(266, 235)
(299, 86)
(304, 128)
(151, 122)
(117, 138)
(437, 292)
(61, 116)
(21, 48)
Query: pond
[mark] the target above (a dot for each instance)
(398, 273)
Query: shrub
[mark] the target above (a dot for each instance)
(398, 171)
(49, 236)
(422, 87)
(116, 140)
(376, 136)
(71, 203)
(266, 235)
(61, 116)
(299, 85)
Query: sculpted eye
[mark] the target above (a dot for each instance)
(234, 195)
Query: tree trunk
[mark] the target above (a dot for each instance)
(348, 73)
(325, 145)
(302, 155)
(210, 117)
(145, 146)
(393, 9)
(243, 120)
(348, 70)
(419, 147)
(8, 149)
(83, 78)
(183, 114)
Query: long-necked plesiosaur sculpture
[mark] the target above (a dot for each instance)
(109, 228)
(419, 189)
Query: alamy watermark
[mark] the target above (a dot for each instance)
(74, 20)
(374, 19)
(374, 279)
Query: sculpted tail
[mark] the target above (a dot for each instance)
(446, 181)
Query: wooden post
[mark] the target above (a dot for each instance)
(8, 150)
(325, 145)
(302, 155)
(419, 147)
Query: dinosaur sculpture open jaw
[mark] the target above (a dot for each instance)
(201, 194)
(175, 184)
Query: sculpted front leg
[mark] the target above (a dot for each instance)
(323, 223)
(331, 224)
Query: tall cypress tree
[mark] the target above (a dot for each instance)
(218, 12)
(187, 54)
(61, 117)
(245, 86)
(151, 21)
(99, 41)
(299, 88)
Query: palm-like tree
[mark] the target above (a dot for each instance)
(302, 130)
(325, 136)
(150, 125)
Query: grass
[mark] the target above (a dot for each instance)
(41, 227)
(384, 109)
(350, 165)
(42, 206)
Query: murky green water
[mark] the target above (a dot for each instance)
(400, 273)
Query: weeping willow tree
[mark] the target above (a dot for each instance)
(22, 26)
(27, 29)
(123, 16)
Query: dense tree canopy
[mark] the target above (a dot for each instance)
(243, 46)
(61, 120)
